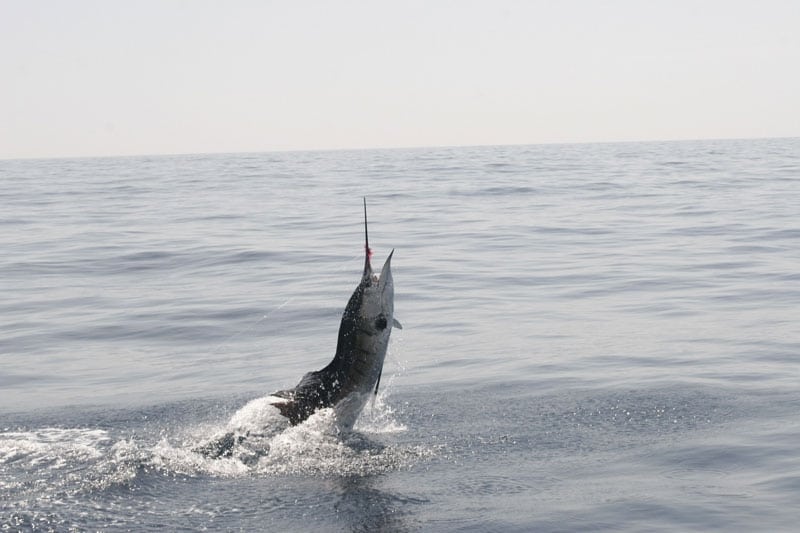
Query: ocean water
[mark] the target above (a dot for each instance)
(596, 337)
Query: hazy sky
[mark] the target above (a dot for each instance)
(150, 77)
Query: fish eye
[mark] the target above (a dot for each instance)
(380, 323)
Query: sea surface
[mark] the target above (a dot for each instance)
(597, 337)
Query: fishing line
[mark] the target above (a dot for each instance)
(251, 327)
(216, 350)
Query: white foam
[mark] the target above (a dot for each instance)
(183, 460)
(318, 446)
(378, 417)
(269, 445)
(55, 447)
(265, 444)
(256, 415)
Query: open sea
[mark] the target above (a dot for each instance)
(597, 337)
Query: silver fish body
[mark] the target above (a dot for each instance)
(354, 374)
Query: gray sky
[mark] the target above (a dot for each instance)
(82, 78)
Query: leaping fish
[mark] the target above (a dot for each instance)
(354, 374)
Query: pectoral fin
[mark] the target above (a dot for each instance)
(396, 324)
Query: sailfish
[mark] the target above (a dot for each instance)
(354, 374)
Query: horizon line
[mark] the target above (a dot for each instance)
(379, 148)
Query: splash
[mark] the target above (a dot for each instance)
(47, 466)
(56, 462)
(263, 443)
(378, 417)
(51, 447)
